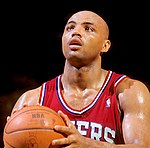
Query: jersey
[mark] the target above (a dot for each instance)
(100, 120)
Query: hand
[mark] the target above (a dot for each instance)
(73, 138)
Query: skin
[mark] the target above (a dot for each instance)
(84, 39)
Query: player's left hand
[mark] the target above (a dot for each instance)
(73, 137)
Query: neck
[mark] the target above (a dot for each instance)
(86, 77)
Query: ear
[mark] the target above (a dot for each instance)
(106, 46)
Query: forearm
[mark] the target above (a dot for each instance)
(99, 144)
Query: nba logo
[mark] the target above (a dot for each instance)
(108, 102)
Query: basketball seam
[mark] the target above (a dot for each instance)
(29, 129)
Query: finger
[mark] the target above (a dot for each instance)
(8, 117)
(24, 105)
(63, 129)
(14, 110)
(38, 104)
(65, 118)
(62, 141)
(19, 108)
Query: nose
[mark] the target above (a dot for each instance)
(76, 32)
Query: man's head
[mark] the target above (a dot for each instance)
(85, 37)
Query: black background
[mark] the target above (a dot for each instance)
(31, 43)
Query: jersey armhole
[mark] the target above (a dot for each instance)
(42, 94)
(119, 79)
(117, 82)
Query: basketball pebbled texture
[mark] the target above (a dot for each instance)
(32, 127)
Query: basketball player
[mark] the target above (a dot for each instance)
(101, 108)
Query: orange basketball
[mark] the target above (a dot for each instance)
(32, 127)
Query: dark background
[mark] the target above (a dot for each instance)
(31, 43)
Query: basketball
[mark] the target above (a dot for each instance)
(32, 127)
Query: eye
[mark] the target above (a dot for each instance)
(89, 29)
(70, 27)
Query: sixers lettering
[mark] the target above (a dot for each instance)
(96, 131)
(100, 120)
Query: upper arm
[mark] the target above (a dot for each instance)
(135, 103)
(30, 97)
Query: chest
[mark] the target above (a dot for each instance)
(79, 100)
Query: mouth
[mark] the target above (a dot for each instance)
(74, 44)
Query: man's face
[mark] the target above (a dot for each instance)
(83, 37)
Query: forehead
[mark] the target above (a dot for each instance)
(86, 16)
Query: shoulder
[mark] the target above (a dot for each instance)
(28, 98)
(32, 97)
(33, 93)
(131, 84)
(132, 92)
